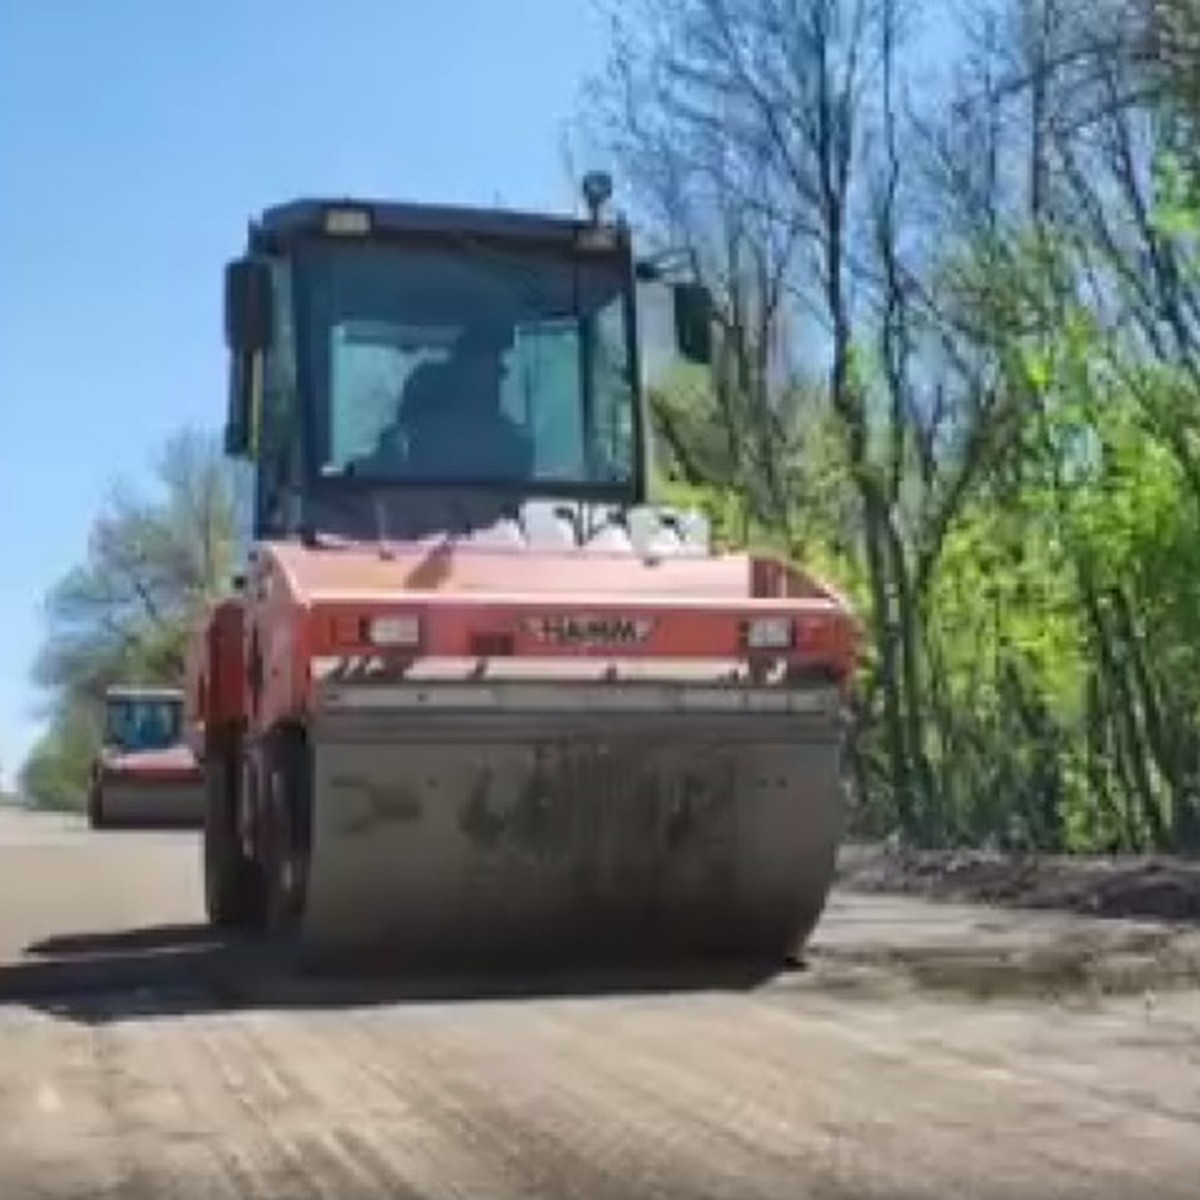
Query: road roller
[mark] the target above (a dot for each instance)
(145, 775)
(474, 695)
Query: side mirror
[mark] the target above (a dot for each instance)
(248, 306)
(693, 321)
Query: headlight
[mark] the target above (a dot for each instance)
(395, 631)
(768, 633)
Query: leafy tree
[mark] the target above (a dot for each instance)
(989, 435)
(123, 615)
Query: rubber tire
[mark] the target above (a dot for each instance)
(96, 818)
(234, 886)
(288, 842)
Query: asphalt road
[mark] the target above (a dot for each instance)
(926, 1051)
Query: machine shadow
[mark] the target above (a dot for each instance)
(184, 970)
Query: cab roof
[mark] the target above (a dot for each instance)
(306, 217)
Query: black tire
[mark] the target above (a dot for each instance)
(234, 885)
(95, 799)
(288, 810)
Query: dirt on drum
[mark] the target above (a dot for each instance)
(634, 835)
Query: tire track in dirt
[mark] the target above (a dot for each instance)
(541, 1083)
(53, 1099)
(709, 1096)
(263, 1147)
(473, 1108)
(920, 1119)
(399, 1137)
(327, 1130)
(1027, 1130)
(754, 1103)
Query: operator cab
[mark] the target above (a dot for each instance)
(140, 719)
(390, 359)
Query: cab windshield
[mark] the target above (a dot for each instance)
(142, 724)
(469, 363)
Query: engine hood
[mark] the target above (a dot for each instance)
(452, 567)
(440, 545)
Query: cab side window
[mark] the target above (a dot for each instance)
(280, 443)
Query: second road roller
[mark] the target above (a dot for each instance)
(145, 774)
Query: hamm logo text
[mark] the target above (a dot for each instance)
(582, 631)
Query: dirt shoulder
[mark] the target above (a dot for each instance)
(1160, 889)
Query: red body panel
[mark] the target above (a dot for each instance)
(446, 567)
(215, 691)
(176, 764)
(455, 628)
(299, 604)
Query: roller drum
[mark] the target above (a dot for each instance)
(150, 804)
(516, 830)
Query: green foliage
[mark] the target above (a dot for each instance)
(123, 615)
(1001, 467)
(54, 776)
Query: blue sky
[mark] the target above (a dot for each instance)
(137, 138)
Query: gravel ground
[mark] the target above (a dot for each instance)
(1158, 887)
(139, 1057)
